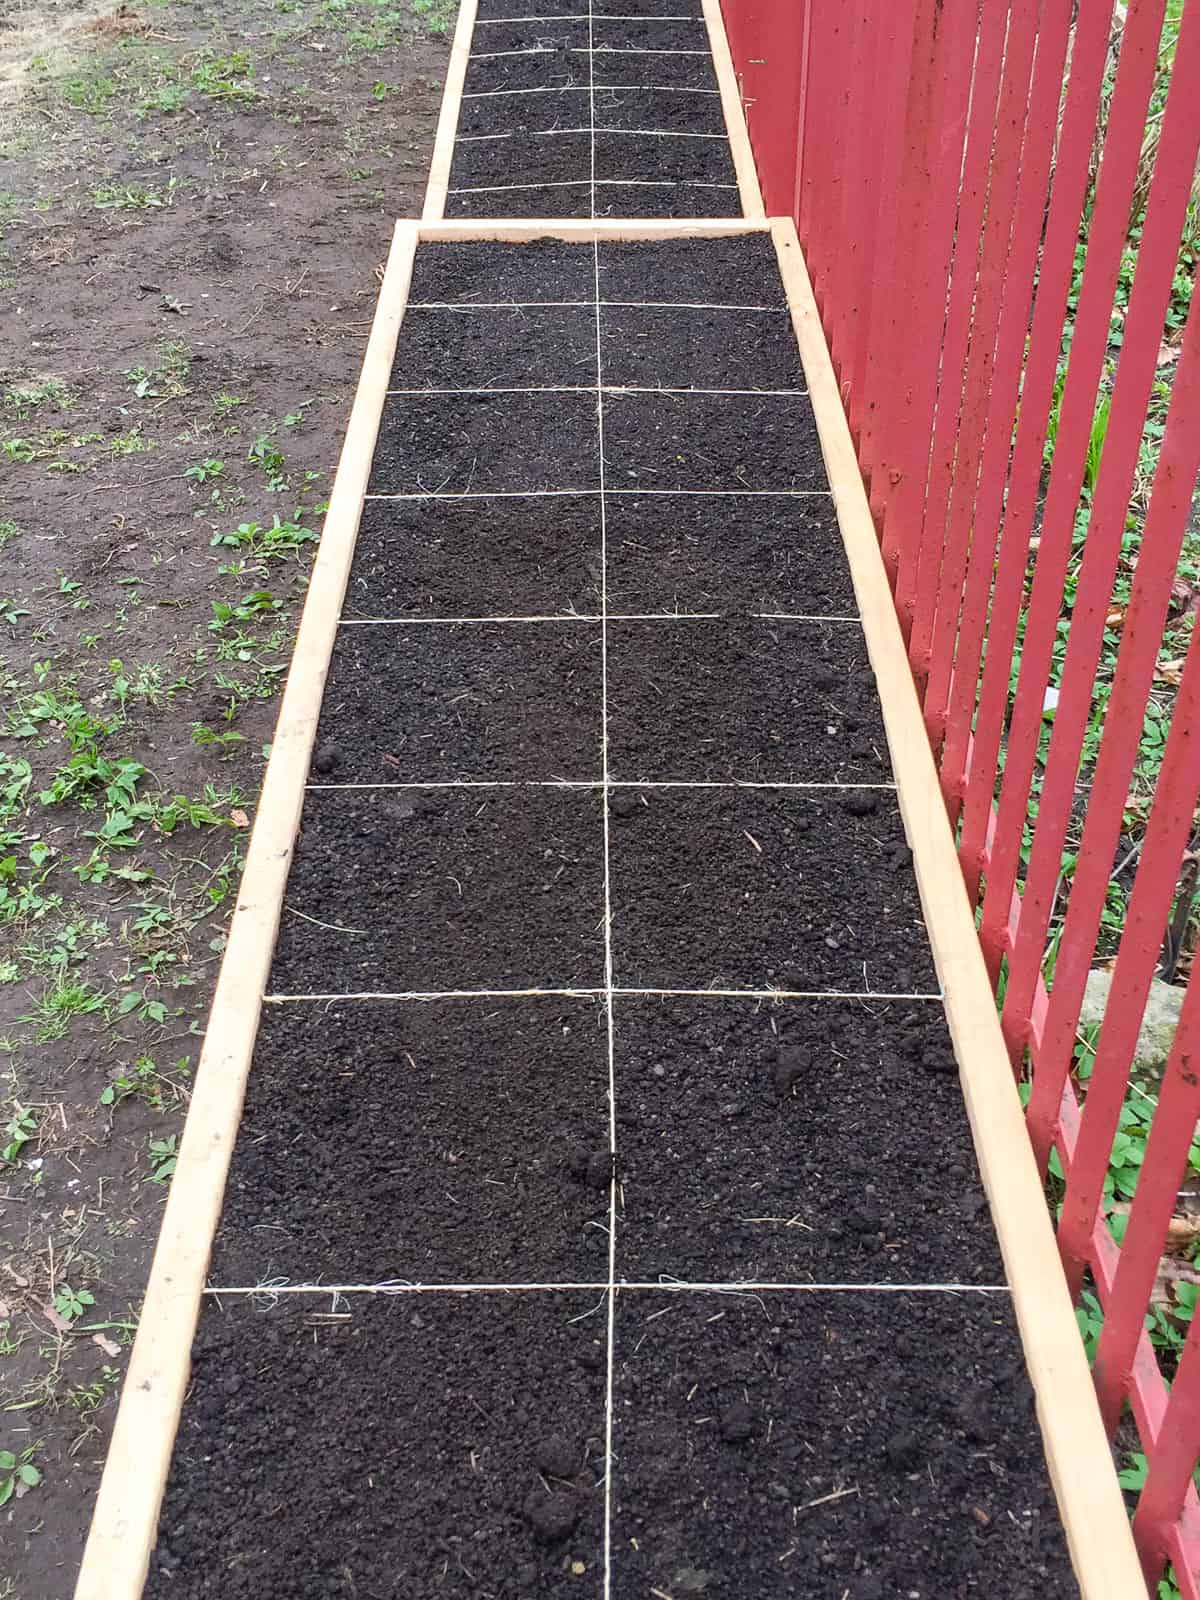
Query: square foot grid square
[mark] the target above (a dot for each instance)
(829, 1446)
(762, 889)
(546, 32)
(403, 891)
(743, 701)
(667, 199)
(535, 200)
(650, 109)
(645, 8)
(409, 1447)
(658, 158)
(522, 159)
(480, 443)
(431, 704)
(659, 347)
(706, 442)
(505, 9)
(789, 1142)
(742, 271)
(728, 554)
(540, 69)
(487, 272)
(461, 1141)
(477, 558)
(556, 111)
(523, 348)
(653, 32)
(662, 69)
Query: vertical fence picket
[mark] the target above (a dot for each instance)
(1089, 348)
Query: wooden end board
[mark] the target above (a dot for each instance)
(1077, 1451)
(735, 112)
(447, 128)
(125, 1521)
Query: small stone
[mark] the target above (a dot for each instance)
(557, 1457)
(551, 1516)
(737, 1423)
(327, 758)
(860, 803)
(658, 1070)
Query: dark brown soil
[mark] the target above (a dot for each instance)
(491, 1106)
(534, 347)
(767, 1450)
(479, 443)
(752, 702)
(193, 279)
(762, 889)
(477, 558)
(429, 704)
(690, 553)
(728, 272)
(450, 1444)
(439, 889)
(761, 1143)
(700, 349)
(712, 442)
(462, 274)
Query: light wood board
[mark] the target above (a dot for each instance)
(125, 1521)
(1090, 1500)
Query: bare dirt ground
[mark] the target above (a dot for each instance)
(194, 205)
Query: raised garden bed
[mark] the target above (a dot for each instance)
(574, 810)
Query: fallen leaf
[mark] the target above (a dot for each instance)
(55, 1321)
(5, 1313)
(109, 1346)
(1170, 672)
(1167, 353)
(239, 819)
(1115, 617)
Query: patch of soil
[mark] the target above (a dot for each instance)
(661, 347)
(764, 1144)
(656, 158)
(533, 9)
(730, 272)
(448, 1142)
(444, 889)
(713, 442)
(532, 200)
(766, 1450)
(675, 113)
(460, 274)
(751, 553)
(542, 69)
(766, 890)
(532, 347)
(751, 702)
(666, 200)
(431, 704)
(515, 159)
(196, 201)
(399, 1448)
(477, 558)
(479, 443)
(651, 33)
(526, 113)
(540, 34)
(637, 69)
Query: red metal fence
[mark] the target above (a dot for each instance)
(996, 200)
